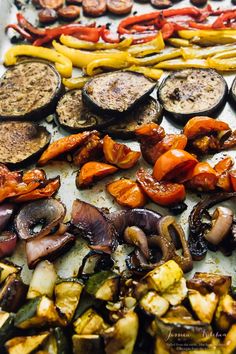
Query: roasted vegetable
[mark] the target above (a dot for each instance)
(127, 193)
(176, 293)
(6, 212)
(90, 323)
(90, 151)
(41, 284)
(21, 142)
(121, 338)
(57, 342)
(204, 306)
(230, 341)
(233, 93)
(12, 293)
(67, 294)
(7, 268)
(103, 285)
(210, 282)
(87, 343)
(154, 304)
(6, 326)
(19, 88)
(8, 241)
(48, 213)
(113, 98)
(95, 226)
(73, 114)
(225, 314)
(193, 92)
(26, 345)
(92, 171)
(38, 312)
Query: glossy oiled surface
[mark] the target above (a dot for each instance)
(68, 264)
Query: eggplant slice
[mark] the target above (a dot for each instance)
(73, 114)
(193, 92)
(232, 93)
(29, 91)
(150, 111)
(117, 92)
(21, 142)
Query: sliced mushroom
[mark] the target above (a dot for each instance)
(222, 220)
(135, 236)
(95, 226)
(44, 214)
(6, 212)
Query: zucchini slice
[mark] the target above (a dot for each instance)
(225, 314)
(7, 268)
(150, 111)
(29, 91)
(232, 93)
(13, 293)
(204, 306)
(6, 326)
(210, 282)
(25, 345)
(37, 313)
(154, 304)
(22, 142)
(57, 342)
(87, 343)
(41, 284)
(67, 294)
(193, 92)
(90, 323)
(74, 115)
(103, 285)
(117, 92)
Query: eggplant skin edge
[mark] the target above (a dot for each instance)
(232, 95)
(182, 118)
(48, 108)
(96, 108)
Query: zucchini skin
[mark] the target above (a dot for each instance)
(7, 330)
(48, 108)
(96, 108)
(182, 118)
(232, 95)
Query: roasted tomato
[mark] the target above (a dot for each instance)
(119, 154)
(50, 188)
(91, 150)
(224, 165)
(174, 165)
(127, 193)
(205, 144)
(63, 145)
(151, 132)
(162, 193)
(224, 182)
(230, 142)
(199, 126)
(34, 175)
(204, 177)
(232, 176)
(92, 171)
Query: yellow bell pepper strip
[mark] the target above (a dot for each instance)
(75, 82)
(209, 37)
(178, 64)
(154, 59)
(76, 43)
(95, 67)
(140, 50)
(225, 61)
(154, 74)
(62, 63)
(81, 58)
(179, 42)
(202, 53)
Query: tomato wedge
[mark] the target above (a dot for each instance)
(162, 193)
(150, 132)
(174, 165)
(204, 177)
(224, 182)
(92, 171)
(224, 165)
(199, 126)
(119, 154)
(127, 193)
(35, 174)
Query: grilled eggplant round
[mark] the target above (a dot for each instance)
(73, 114)
(150, 111)
(233, 93)
(21, 142)
(29, 91)
(117, 92)
(193, 92)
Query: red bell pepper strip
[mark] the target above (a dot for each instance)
(167, 30)
(144, 39)
(107, 36)
(26, 25)
(200, 26)
(140, 28)
(225, 17)
(191, 11)
(21, 31)
(222, 11)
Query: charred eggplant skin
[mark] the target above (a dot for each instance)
(95, 106)
(45, 110)
(232, 94)
(182, 118)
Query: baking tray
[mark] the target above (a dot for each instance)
(68, 264)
